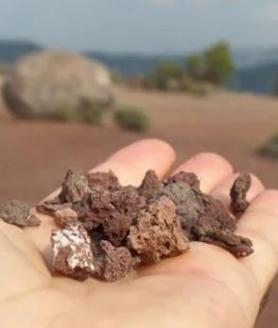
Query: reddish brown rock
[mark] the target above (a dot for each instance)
(116, 263)
(71, 252)
(238, 193)
(105, 180)
(65, 216)
(49, 208)
(158, 233)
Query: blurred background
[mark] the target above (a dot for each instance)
(78, 80)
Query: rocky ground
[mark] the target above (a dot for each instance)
(35, 155)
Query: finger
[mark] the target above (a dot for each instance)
(260, 224)
(222, 190)
(130, 165)
(210, 168)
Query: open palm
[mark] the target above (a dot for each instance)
(207, 287)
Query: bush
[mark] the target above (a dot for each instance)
(93, 116)
(85, 112)
(196, 88)
(90, 113)
(195, 67)
(116, 77)
(131, 119)
(270, 148)
(165, 73)
(64, 113)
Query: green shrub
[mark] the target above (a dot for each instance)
(116, 77)
(89, 112)
(166, 72)
(131, 118)
(85, 112)
(195, 67)
(64, 113)
(93, 116)
(270, 148)
(195, 87)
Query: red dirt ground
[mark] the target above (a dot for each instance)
(35, 155)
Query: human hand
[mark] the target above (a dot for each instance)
(206, 287)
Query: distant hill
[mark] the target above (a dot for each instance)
(11, 50)
(256, 69)
(258, 79)
(251, 57)
(133, 64)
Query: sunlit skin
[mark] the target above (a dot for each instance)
(206, 287)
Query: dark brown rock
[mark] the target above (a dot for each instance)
(94, 208)
(187, 177)
(150, 186)
(18, 213)
(74, 187)
(237, 245)
(128, 201)
(188, 206)
(238, 193)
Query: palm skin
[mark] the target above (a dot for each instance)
(206, 287)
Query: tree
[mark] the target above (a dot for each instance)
(214, 65)
(219, 63)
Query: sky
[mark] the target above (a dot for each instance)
(145, 26)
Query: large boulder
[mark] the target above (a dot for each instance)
(42, 83)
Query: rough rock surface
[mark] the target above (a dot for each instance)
(187, 177)
(72, 254)
(44, 82)
(105, 180)
(116, 262)
(158, 233)
(238, 193)
(74, 187)
(18, 213)
(150, 186)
